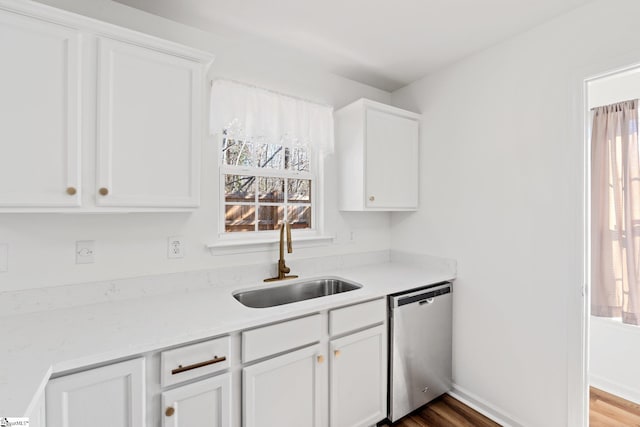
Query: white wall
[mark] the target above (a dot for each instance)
(42, 246)
(613, 359)
(614, 348)
(501, 192)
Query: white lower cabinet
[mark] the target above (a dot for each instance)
(37, 416)
(206, 403)
(358, 378)
(110, 396)
(326, 369)
(285, 391)
(291, 390)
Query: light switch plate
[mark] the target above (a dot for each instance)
(4, 257)
(85, 253)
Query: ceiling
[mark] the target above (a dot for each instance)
(383, 43)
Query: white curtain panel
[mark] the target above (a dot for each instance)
(615, 212)
(250, 113)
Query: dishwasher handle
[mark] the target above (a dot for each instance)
(423, 296)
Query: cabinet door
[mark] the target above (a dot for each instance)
(391, 161)
(206, 403)
(284, 391)
(111, 396)
(37, 417)
(149, 127)
(39, 112)
(358, 379)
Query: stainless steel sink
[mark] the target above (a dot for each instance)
(294, 292)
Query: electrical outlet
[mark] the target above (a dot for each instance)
(85, 252)
(175, 247)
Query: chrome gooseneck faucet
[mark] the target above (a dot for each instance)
(282, 267)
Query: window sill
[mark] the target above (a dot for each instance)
(230, 247)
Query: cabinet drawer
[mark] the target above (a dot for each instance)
(193, 361)
(262, 342)
(358, 316)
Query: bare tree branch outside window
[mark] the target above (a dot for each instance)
(264, 185)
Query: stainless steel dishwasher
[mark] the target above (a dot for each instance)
(420, 330)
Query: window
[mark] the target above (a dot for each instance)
(270, 153)
(615, 198)
(265, 185)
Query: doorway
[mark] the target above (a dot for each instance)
(611, 346)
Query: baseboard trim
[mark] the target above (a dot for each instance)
(614, 388)
(484, 407)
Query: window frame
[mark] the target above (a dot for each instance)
(314, 175)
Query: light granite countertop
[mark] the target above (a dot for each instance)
(35, 345)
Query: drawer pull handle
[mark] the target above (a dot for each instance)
(181, 368)
(170, 411)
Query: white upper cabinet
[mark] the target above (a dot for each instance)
(39, 112)
(149, 127)
(378, 157)
(96, 118)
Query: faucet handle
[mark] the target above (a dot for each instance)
(286, 269)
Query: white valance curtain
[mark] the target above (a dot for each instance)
(253, 114)
(615, 212)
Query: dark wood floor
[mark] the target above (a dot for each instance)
(607, 410)
(445, 411)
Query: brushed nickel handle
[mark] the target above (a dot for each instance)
(103, 191)
(170, 411)
(321, 359)
(372, 198)
(337, 353)
(181, 368)
(71, 191)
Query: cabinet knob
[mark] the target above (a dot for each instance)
(103, 191)
(336, 353)
(372, 198)
(71, 191)
(321, 359)
(170, 411)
